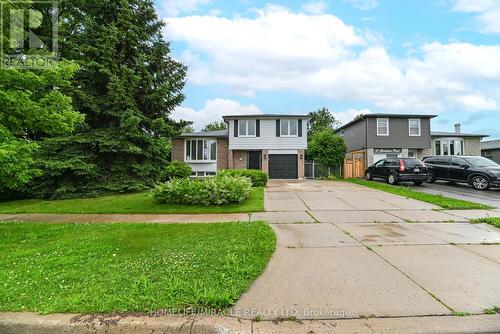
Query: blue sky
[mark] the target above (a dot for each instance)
(353, 56)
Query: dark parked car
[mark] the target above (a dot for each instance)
(394, 170)
(479, 172)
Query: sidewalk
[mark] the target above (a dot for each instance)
(127, 218)
(23, 323)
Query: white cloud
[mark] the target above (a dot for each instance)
(348, 115)
(487, 11)
(279, 50)
(213, 111)
(363, 4)
(315, 7)
(172, 8)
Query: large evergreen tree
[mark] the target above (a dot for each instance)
(126, 87)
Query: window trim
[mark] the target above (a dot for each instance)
(383, 134)
(246, 128)
(419, 127)
(289, 127)
(209, 150)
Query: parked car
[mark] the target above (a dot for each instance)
(479, 172)
(394, 170)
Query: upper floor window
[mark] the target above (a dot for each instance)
(246, 128)
(201, 150)
(382, 126)
(414, 126)
(289, 127)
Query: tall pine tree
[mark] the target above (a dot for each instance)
(127, 86)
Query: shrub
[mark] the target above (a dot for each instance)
(210, 191)
(258, 177)
(177, 170)
(327, 148)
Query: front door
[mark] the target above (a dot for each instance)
(254, 161)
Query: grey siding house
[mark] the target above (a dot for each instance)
(381, 136)
(491, 149)
(273, 143)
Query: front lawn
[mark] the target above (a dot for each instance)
(93, 268)
(495, 221)
(128, 203)
(439, 200)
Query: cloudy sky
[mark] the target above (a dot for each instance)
(353, 56)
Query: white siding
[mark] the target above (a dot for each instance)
(267, 139)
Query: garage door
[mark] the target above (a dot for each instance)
(283, 166)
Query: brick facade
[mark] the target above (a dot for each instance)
(177, 149)
(300, 161)
(239, 159)
(472, 146)
(265, 161)
(222, 153)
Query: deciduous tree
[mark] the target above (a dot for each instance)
(214, 126)
(327, 148)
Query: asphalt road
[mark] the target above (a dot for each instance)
(463, 191)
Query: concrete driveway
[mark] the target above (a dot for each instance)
(343, 202)
(348, 261)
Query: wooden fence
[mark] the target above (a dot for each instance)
(354, 165)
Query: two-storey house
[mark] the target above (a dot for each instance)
(269, 142)
(381, 136)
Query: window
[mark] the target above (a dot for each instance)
(201, 150)
(203, 174)
(412, 153)
(414, 127)
(246, 128)
(289, 128)
(382, 126)
(449, 146)
(457, 162)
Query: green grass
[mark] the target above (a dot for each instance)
(495, 221)
(493, 310)
(128, 203)
(102, 268)
(439, 200)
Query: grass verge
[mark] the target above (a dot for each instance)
(439, 200)
(495, 221)
(128, 203)
(94, 268)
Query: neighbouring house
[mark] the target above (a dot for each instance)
(272, 143)
(456, 143)
(380, 136)
(491, 149)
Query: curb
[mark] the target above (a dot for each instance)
(31, 323)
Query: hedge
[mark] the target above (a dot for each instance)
(258, 177)
(210, 191)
